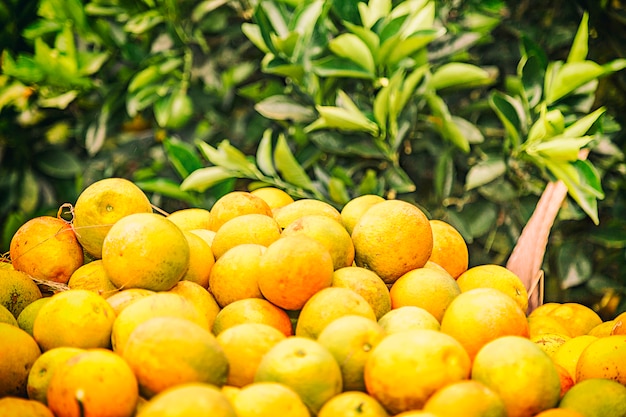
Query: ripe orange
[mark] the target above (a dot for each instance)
(329, 233)
(578, 319)
(206, 235)
(481, 315)
(520, 372)
(304, 207)
(449, 248)
(550, 342)
(603, 329)
(292, 269)
(408, 318)
(19, 352)
(44, 367)
(274, 197)
(619, 324)
(187, 400)
(406, 368)
(327, 305)
(95, 382)
(352, 404)
(367, 284)
(102, 204)
(145, 250)
(597, 397)
(236, 203)
(76, 318)
(392, 238)
(269, 399)
(46, 248)
(92, 276)
(567, 381)
(167, 351)
(21, 407)
(539, 325)
(252, 310)
(568, 353)
(8, 318)
(603, 358)
(467, 398)
(559, 412)
(124, 298)
(202, 299)
(354, 209)
(430, 289)
(247, 228)
(201, 260)
(26, 319)
(188, 219)
(235, 275)
(350, 339)
(17, 290)
(244, 345)
(498, 277)
(306, 367)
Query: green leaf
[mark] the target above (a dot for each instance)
(573, 265)
(373, 11)
(58, 163)
(264, 154)
(350, 46)
(468, 130)
(407, 48)
(60, 101)
(281, 107)
(337, 191)
(459, 75)
(443, 122)
(168, 188)
(510, 113)
(97, 132)
(289, 167)
(202, 179)
(339, 118)
(559, 148)
(182, 156)
(253, 33)
(278, 66)
(580, 47)
(143, 78)
(398, 180)
(571, 76)
(532, 77)
(228, 157)
(335, 67)
(370, 184)
(143, 22)
(25, 68)
(485, 171)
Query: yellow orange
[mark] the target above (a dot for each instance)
(559, 412)
(247, 228)
(352, 404)
(550, 342)
(188, 219)
(567, 381)
(568, 353)
(102, 204)
(603, 329)
(539, 325)
(367, 284)
(304, 207)
(235, 275)
(206, 235)
(603, 358)
(92, 276)
(408, 318)
(406, 368)
(186, 400)
(269, 399)
(467, 398)
(26, 319)
(19, 353)
(596, 397)
(578, 319)
(201, 260)
(252, 310)
(234, 204)
(619, 324)
(43, 368)
(498, 277)
(354, 209)
(202, 299)
(46, 248)
(124, 298)
(449, 248)
(17, 290)
(292, 269)
(21, 407)
(8, 318)
(274, 197)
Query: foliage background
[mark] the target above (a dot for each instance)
(66, 124)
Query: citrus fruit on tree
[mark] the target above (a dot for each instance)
(603, 358)
(481, 315)
(306, 367)
(92, 276)
(247, 228)
(520, 372)
(449, 248)
(76, 318)
(269, 399)
(195, 399)
(145, 250)
(17, 291)
(498, 277)
(274, 197)
(392, 238)
(252, 310)
(234, 204)
(44, 367)
(292, 269)
(95, 382)
(304, 207)
(22, 407)
(19, 352)
(102, 204)
(467, 398)
(367, 284)
(191, 218)
(244, 345)
(408, 318)
(352, 404)
(46, 248)
(354, 209)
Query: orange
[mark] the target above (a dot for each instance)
(92, 276)
(161, 304)
(46, 248)
(406, 368)
(196, 399)
(465, 398)
(167, 351)
(430, 289)
(481, 315)
(520, 372)
(596, 397)
(21, 407)
(559, 412)
(252, 310)
(206, 235)
(235, 275)
(539, 325)
(188, 219)
(567, 381)
(44, 367)
(244, 345)
(416, 413)
(408, 318)
(236, 203)
(329, 233)
(247, 228)
(568, 353)
(327, 305)
(304, 366)
(145, 250)
(550, 342)
(286, 214)
(367, 284)
(603, 329)
(102, 204)
(449, 248)
(392, 238)
(26, 319)
(576, 318)
(292, 269)
(350, 339)
(495, 276)
(201, 260)
(354, 209)
(619, 324)
(76, 318)
(202, 299)
(230, 392)
(95, 382)
(7, 317)
(603, 358)
(17, 291)
(19, 353)
(352, 404)
(124, 298)
(274, 197)
(269, 399)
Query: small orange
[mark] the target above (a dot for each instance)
(619, 324)
(596, 397)
(44, 367)
(408, 318)
(568, 353)
(304, 207)
(8, 318)
(449, 248)
(26, 319)
(188, 219)
(124, 298)
(269, 399)
(539, 325)
(21, 407)
(19, 353)
(17, 290)
(352, 404)
(236, 203)
(252, 310)
(603, 329)
(578, 319)
(498, 277)
(95, 382)
(354, 209)
(292, 269)
(274, 197)
(603, 358)
(201, 260)
(550, 342)
(567, 380)
(202, 299)
(195, 399)
(481, 315)
(367, 284)
(467, 398)
(246, 228)
(559, 412)
(92, 276)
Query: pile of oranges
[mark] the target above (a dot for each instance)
(266, 306)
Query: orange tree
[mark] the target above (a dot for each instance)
(465, 108)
